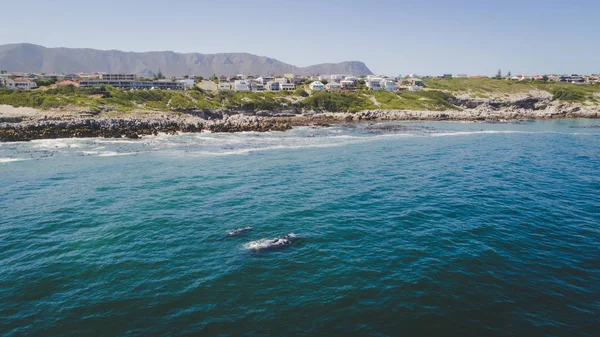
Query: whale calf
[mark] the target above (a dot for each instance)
(239, 231)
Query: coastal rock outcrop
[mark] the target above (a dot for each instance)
(22, 124)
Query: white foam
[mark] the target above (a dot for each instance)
(10, 160)
(258, 244)
(114, 154)
(261, 149)
(103, 141)
(61, 143)
(264, 243)
(467, 133)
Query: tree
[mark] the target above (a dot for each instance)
(301, 92)
(509, 74)
(186, 76)
(545, 78)
(198, 79)
(499, 74)
(324, 82)
(214, 78)
(160, 75)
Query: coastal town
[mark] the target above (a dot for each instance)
(257, 83)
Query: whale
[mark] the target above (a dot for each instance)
(238, 231)
(271, 244)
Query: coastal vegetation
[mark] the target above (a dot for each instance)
(437, 96)
(488, 87)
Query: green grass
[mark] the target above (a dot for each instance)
(414, 100)
(484, 87)
(434, 98)
(337, 102)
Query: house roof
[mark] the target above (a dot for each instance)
(61, 83)
(22, 80)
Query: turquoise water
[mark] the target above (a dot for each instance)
(412, 229)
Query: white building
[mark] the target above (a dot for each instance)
(48, 77)
(241, 76)
(347, 84)
(282, 80)
(241, 85)
(7, 82)
(23, 83)
(337, 78)
(287, 86)
(415, 88)
(265, 79)
(224, 86)
(316, 86)
(374, 83)
(257, 86)
(333, 86)
(118, 77)
(388, 85)
(273, 86)
(187, 83)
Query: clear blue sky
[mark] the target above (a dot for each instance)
(391, 36)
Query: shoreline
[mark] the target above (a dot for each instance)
(25, 124)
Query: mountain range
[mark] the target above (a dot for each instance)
(25, 57)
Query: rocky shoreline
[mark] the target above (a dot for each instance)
(23, 124)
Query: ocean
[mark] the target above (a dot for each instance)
(403, 229)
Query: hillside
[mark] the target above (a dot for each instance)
(441, 95)
(33, 58)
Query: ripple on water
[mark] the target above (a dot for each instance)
(423, 228)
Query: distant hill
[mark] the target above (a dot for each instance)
(24, 57)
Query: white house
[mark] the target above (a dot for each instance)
(351, 78)
(374, 83)
(347, 84)
(224, 86)
(415, 88)
(7, 82)
(241, 85)
(287, 86)
(257, 86)
(388, 85)
(58, 77)
(187, 83)
(281, 80)
(241, 76)
(24, 83)
(337, 78)
(273, 86)
(265, 79)
(333, 86)
(316, 86)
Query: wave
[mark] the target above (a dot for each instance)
(467, 133)
(114, 154)
(258, 244)
(10, 160)
(61, 143)
(266, 148)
